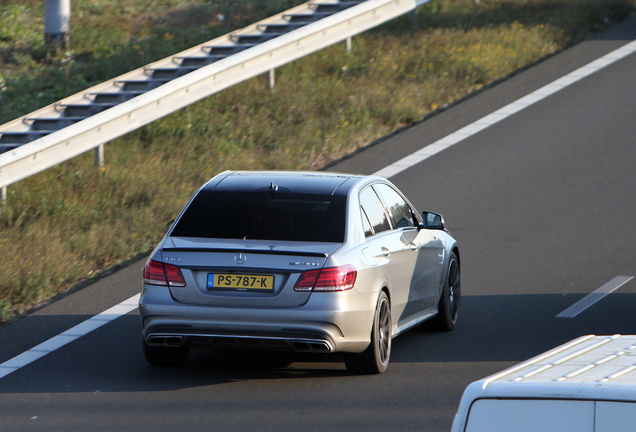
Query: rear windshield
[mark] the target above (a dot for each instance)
(264, 216)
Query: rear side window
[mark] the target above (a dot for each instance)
(400, 212)
(527, 415)
(262, 215)
(373, 209)
(366, 224)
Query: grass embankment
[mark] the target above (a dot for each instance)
(73, 222)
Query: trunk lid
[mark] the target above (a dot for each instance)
(243, 273)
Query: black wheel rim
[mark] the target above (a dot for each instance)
(384, 329)
(454, 289)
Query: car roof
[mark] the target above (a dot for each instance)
(322, 183)
(590, 367)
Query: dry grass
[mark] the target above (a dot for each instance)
(73, 221)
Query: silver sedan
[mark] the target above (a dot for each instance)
(300, 261)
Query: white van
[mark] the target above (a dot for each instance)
(586, 385)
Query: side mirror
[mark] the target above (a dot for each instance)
(433, 220)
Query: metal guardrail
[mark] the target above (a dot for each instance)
(87, 120)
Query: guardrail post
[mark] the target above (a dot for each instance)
(270, 78)
(414, 18)
(348, 44)
(99, 156)
(57, 18)
(3, 194)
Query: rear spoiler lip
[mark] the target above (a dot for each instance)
(250, 251)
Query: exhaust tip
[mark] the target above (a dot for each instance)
(172, 341)
(311, 346)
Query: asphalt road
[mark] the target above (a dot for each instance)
(543, 206)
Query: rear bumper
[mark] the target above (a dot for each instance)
(328, 322)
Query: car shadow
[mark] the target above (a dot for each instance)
(500, 328)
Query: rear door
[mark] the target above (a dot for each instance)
(389, 248)
(419, 249)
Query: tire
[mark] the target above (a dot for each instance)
(166, 356)
(448, 307)
(374, 359)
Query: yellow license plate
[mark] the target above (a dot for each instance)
(240, 282)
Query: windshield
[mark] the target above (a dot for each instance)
(264, 215)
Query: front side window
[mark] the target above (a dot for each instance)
(400, 212)
(374, 210)
(261, 215)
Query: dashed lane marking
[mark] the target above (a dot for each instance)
(595, 296)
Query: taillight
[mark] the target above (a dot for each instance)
(156, 273)
(174, 276)
(153, 273)
(329, 279)
(307, 280)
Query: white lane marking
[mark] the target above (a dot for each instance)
(506, 111)
(123, 308)
(595, 296)
(68, 336)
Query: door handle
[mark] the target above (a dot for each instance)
(385, 252)
(413, 246)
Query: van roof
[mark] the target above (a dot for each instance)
(590, 367)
